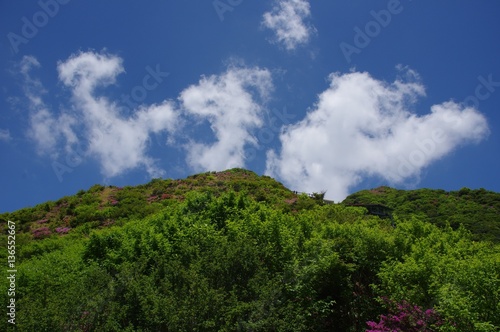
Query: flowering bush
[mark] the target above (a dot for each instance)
(152, 198)
(41, 232)
(166, 196)
(406, 317)
(63, 230)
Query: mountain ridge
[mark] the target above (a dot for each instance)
(478, 210)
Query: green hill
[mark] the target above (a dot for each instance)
(102, 206)
(234, 251)
(477, 210)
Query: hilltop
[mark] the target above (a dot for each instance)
(102, 206)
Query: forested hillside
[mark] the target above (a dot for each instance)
(477, 210)
(233, 251)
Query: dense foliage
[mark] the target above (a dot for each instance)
(248, 255)
(477, 210)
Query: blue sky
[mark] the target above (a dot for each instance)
(322, 95)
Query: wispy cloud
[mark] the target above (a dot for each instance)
(5, 135)
(46, 128)
(363, 127)
(232, 104)
(287, 20)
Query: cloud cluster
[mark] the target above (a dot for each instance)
(359, 127)
(363, 127)
(93, 124)
(287, 21)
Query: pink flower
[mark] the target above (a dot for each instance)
(63, 230)
(41, 232)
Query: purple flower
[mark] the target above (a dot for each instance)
(63, 230)
(404, 316)
(41, 232)
(152, 198)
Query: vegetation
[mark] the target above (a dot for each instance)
(476, 210)
(232, 251)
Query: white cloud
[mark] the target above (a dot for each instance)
(93, 125)
(364, 127)
(119, 143)
(46, 129)
(287, 22)
(5, 135)
(359, 127)
(231, 104)
(85, 71)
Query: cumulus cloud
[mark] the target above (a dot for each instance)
(363, 127)
(287, 21)
(232, 104)
(119, 143)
